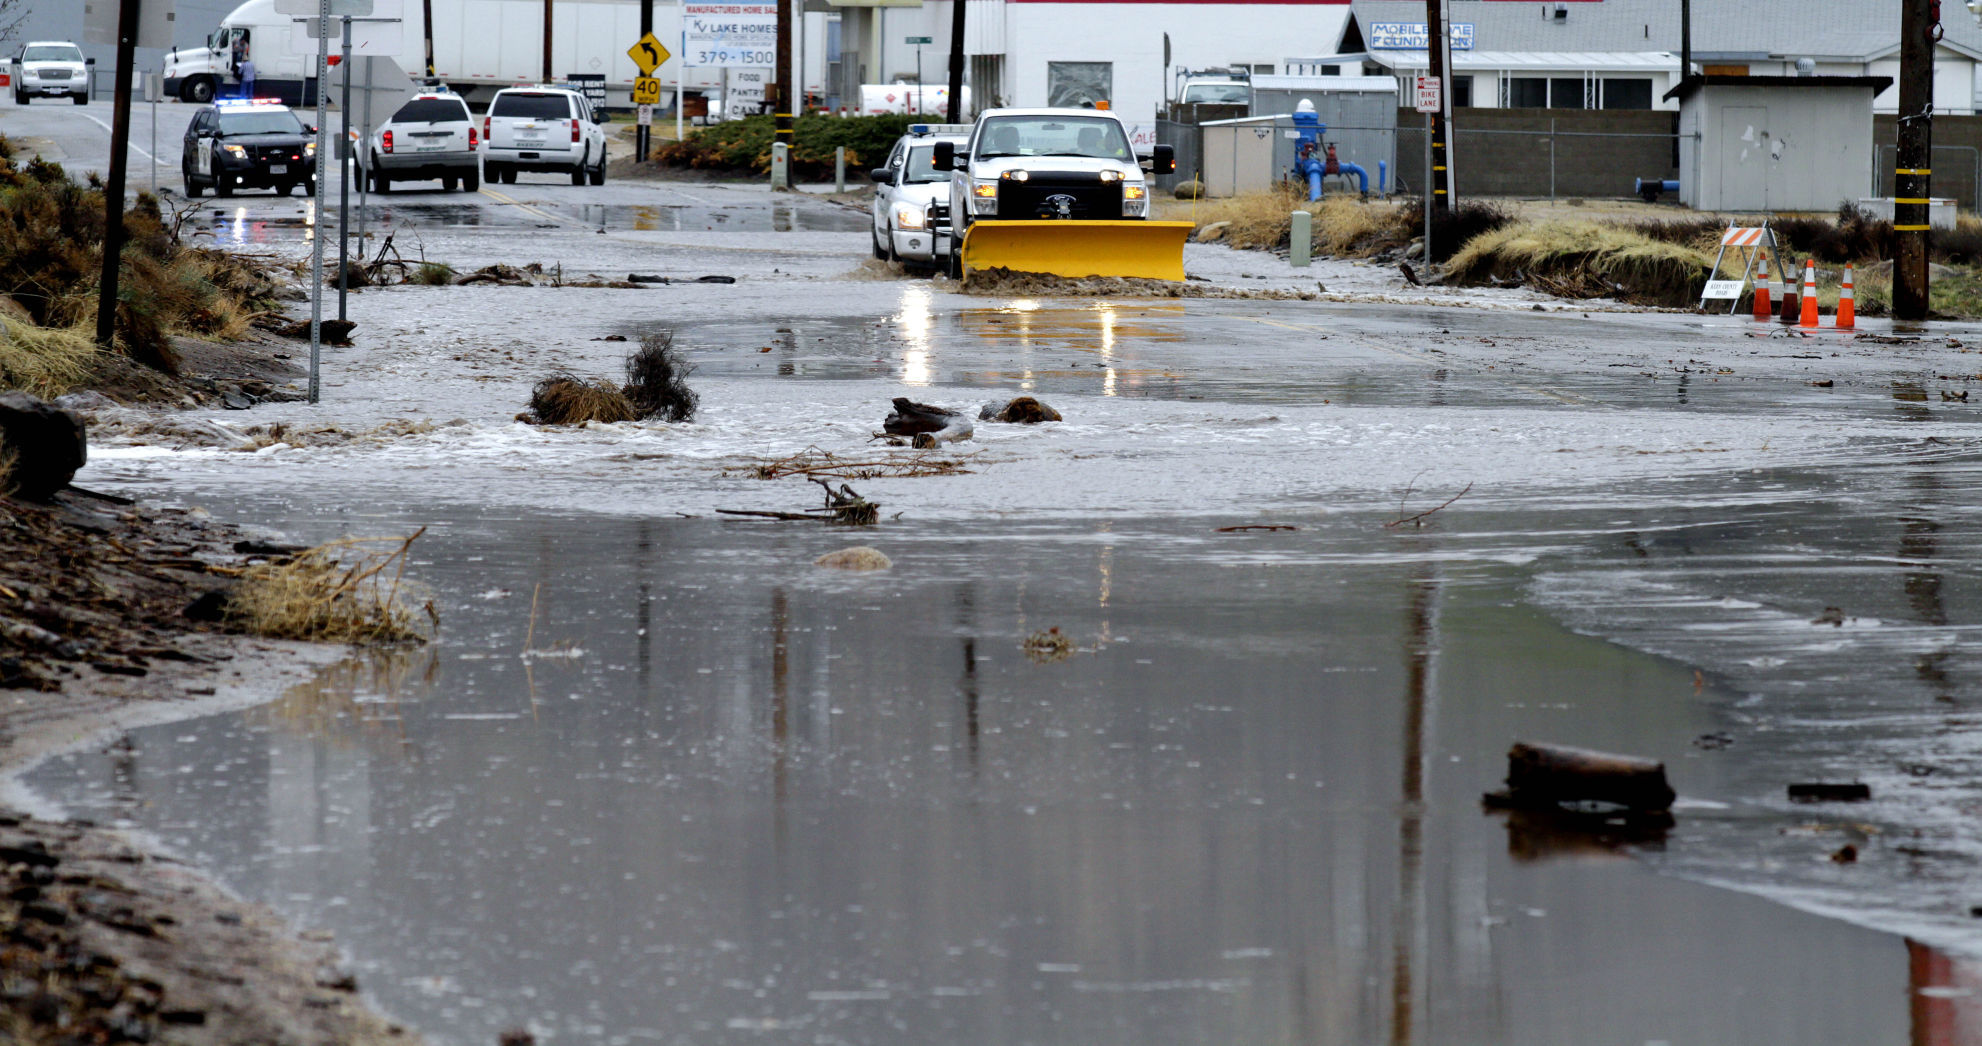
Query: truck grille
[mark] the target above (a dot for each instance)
(1052, 195)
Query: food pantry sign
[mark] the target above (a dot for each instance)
(736, 36)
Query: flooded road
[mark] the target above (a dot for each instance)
(663, 780)
(739, 800)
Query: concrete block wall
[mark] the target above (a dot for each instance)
(1505, 152)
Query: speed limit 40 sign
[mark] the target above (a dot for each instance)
(646, 90)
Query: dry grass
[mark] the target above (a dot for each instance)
(657, 380)
(1350, 228)
(432, 274)
(1585, 260)
(566, 399)
(44, 361)
(350, 591)
(1255, 221)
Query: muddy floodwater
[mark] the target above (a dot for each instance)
(1090, 763)
(739, 800)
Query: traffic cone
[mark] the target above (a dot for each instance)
(1809, 293)
(1847, 305)
(1791, 307)
(1763, 310)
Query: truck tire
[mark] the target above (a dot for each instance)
(20, 99)
(197, 90)
(81, 97)
(221, 186)
(578, 172)
(471, 180)
(599, 172)
(193, 189)
(382, 182)
(449, 183)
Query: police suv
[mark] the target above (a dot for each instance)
(255, 143)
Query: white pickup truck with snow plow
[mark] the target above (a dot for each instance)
(1057, 191)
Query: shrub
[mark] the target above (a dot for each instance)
(657, 380)
(432, 274)
(745, 145)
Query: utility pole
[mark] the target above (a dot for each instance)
(957, 7)
(426, 41)
(113, 192)
(640, 133)
(548, 77)
(1441, 121)
(782, 106)
(1913, 163)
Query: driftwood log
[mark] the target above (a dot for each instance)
(1823, 792)
(1540, 776)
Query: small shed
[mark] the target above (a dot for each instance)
(1775, 143)
(1252, 153)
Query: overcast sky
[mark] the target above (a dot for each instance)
(194, 20)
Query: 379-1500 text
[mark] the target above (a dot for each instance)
(724, 56)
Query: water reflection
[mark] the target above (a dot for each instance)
(768, 801)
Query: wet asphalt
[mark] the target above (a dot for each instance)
(661, 780)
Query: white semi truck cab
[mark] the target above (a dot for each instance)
(252, 32)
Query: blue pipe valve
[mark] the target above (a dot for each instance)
(1312, 159)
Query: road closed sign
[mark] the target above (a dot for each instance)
(1429, 93)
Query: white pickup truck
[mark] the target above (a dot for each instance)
(1029, 165)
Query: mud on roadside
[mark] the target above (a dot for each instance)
(101, 941)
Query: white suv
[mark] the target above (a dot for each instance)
(431, 136)
(543, 128)
(54, 67)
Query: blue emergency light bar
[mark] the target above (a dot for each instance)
(232, 102)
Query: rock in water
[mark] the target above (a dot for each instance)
(859, 557)
(1023, 410)
(331, 332)
(47, 444)
(911, 418)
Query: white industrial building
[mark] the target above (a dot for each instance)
(1624, 54)
(1052, 52)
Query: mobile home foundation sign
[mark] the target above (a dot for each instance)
(1413, 36)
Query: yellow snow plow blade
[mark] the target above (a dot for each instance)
(1139, 249)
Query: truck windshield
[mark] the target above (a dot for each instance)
(1215, 94)
(919, 169)
(48, 53)
(1096, 136)
(531, 106)
(272, 121)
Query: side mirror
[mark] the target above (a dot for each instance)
(945, 156)
(881, 175)
(1163, 160)
(89, 61)
(309, 128)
